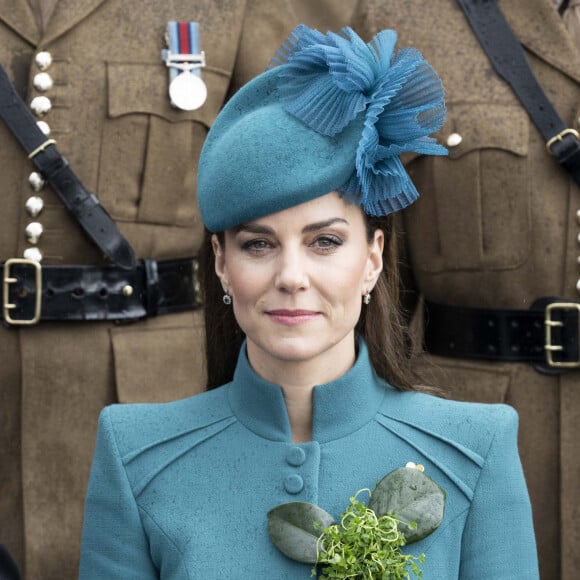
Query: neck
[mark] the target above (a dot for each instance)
(299, 406)
(298, 379)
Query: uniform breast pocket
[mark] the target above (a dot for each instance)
(474, 212)
(149, 150)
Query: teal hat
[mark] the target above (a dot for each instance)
(334, 113)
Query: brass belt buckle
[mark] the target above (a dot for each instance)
(561, 136)
(551, 348)
(8, 279)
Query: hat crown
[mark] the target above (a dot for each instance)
(334, 114)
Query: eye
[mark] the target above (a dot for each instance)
(327, 243)
(256, 245)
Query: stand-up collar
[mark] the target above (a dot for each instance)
(340, 407)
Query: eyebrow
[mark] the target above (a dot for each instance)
(314, 227)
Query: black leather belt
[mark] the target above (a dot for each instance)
(546, 335)
(33, 292)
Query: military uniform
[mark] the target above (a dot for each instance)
(104, 99)
(497, 227)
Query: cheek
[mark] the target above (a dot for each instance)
(344, 286)
(247, 283)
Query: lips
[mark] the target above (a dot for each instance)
(292, 317)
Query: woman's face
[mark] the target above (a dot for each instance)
(297, 278)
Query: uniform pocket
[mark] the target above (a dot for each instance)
(158, 364)
(149, 149)
(474, 212)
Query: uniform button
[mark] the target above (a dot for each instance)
(578, 216)
(42, 82)
(44, 127)
(33, 254)
(33, 232)
(296, 456)
(43, 60)
(578, 239)
(36, 181)
(40, 106)
(454, 139)
(294, 484)
(578, 286)
(34, 205)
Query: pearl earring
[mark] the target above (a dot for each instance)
(367, 298)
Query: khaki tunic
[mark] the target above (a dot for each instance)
(112, 119)
(497, 227)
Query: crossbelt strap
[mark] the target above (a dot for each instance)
(83, 205)
(510, 62)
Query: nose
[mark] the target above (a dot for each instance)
(291, 275)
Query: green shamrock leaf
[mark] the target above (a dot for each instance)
(294, 529)
(411, 497)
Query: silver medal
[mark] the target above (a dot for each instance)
(187, 91)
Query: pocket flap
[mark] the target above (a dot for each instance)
(486, 126)
(144, 88)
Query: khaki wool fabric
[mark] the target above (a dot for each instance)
(112, 119)
(572, 19)
(497, 227)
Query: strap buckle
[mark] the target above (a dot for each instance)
(560, 136)
(7, 306)
(552, 325)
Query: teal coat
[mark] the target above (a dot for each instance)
(181, 490)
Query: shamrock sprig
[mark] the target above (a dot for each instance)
(405, 506)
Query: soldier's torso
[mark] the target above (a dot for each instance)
(497, 222)
(110, 114)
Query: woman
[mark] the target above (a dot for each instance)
(296, 178)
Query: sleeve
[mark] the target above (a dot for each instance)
(498, 541)
(114, 543)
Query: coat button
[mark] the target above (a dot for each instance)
(296, 456)
(44, 127)
(40, 106)
(33, 232)
(34, 205)
(33, 254)
(36, 181)
(293, 484)
(43, 60)
(42, 82)
(454, 139)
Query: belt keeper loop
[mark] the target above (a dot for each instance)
(152, 287)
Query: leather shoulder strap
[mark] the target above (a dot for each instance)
(83, 205)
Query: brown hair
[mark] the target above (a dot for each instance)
(381, 323)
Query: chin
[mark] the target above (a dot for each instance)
(299, 349)
(294, 352)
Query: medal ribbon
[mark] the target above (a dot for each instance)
(183, 38)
